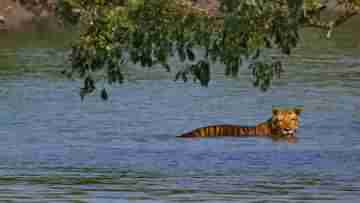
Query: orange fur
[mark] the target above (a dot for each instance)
(282, 124)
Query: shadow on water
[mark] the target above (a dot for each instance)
(55, 148)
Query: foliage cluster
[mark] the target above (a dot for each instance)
(150, 32)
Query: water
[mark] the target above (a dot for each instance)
(55, 148)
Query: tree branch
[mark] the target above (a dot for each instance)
(330, 25)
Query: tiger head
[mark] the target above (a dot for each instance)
(285, 122)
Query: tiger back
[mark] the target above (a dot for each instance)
(221, 130)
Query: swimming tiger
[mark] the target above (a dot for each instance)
(283, 124)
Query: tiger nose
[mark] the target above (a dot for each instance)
(287, 129)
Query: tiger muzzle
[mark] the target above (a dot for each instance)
(288, 131)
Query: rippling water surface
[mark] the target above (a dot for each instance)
(55, 148)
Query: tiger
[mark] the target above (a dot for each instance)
(283, 124)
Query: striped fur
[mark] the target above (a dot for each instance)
(283, 123)
(225, 130)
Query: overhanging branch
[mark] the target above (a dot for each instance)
(315, 22)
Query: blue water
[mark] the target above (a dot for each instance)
(56, 148)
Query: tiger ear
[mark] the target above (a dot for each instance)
(298, 110)
(275, 111)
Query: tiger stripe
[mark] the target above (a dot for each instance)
(211, 130)
(231, 131)
(202, 133)
(221, 130)
(217, 129)
(225, 131)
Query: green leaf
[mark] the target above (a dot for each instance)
(104, 95)
(190, 54)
